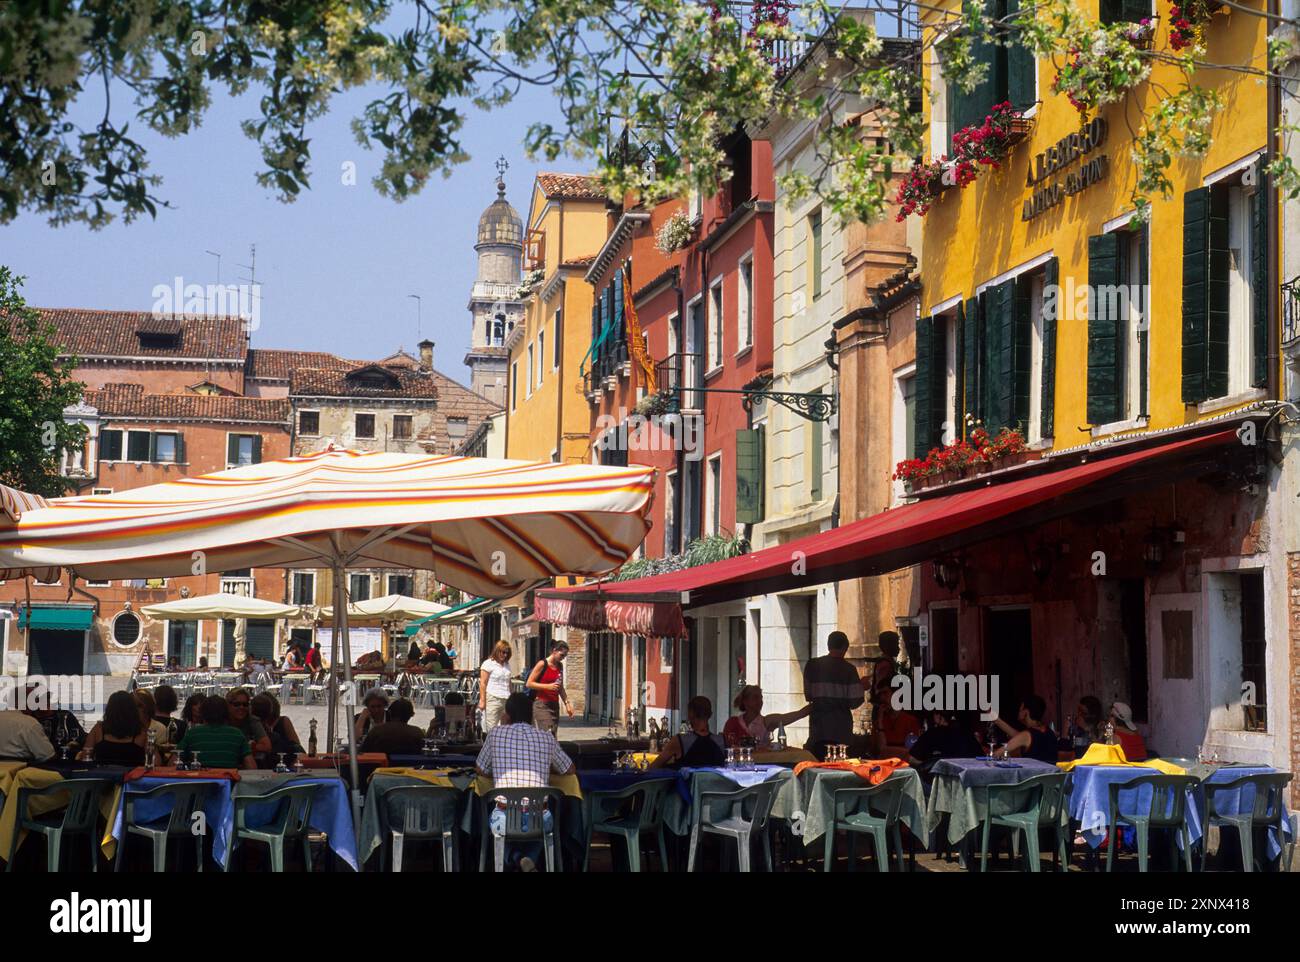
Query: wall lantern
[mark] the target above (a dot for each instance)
(947, 572)
(1153, 549)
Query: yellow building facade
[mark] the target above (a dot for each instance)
(1181, 307)
(547, 415)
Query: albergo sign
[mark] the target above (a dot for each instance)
(1059, 156)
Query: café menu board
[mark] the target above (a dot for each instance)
(1062, 156)
(361, 640)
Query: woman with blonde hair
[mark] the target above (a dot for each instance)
(494, 685)
(752, 723)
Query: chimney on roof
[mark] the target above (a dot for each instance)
(426, 355)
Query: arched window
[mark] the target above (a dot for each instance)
(126, 629)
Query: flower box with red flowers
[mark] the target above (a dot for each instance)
(989, 142)
(963, 458)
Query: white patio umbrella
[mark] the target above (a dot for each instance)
(220, 605)
(488, 527)
(388, 608)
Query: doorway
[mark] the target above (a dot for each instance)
(1009, 656)
(1179, 713)
(52, 651)
(942, 650)
(183, 642)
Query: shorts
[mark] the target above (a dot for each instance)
(546, 715)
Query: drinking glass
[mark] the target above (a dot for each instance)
(748, 759)
(280, 766)
(196, 764)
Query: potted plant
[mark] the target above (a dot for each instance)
(1187, 20)
(923, 183)
(1104, 63)
(675, 233)
(989, 142)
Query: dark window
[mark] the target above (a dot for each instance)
(815, 252)
(137, 445)
(401, 585)
(402, 426)
(359, 587)
(457, 427)
(1011, 75)
(243, 449)
(1123, 11)
(126, 629)
(365, 425)
(304, 588)
(309, 422)
(159, 342)
(110, 445)
(1253, 651)
(558, 339)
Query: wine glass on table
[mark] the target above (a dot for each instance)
(280, 767)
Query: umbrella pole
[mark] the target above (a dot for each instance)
(341, 622)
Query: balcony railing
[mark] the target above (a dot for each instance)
(1291, 312)
(681, 375)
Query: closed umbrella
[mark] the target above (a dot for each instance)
(485, 526)
(389, 608)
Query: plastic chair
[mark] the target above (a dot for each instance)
(538, 798)
(1168, 809)
(1268, 811)
(737, 815)
(80, 817)
(291, 821)
(419, 812)
(188, 798)
(852, 808)
(642, 807)
(1288, 845)
(1018, 807)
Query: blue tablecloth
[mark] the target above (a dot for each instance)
(741, 777)
(218, 809)
(973, 772)
(330, 812)
(1090, 800)
(605, 780)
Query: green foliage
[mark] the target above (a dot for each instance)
(716, 547)
(35, 388)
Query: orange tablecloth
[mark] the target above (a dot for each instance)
(341, 761)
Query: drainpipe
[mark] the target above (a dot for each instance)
(680, 507)
(1271, 207)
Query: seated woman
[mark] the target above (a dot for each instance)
(946, 737)
(752, 723)
(145, 708)
(699, 747)
(1086, 726)
(1034, 740)
(374, 713)
(217, 743)
(121, 738)
(284, 738)
(1127, 735)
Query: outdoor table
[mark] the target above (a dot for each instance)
(330, 812)
(384, 780)
(816, 789)
(788, 756)
(1234, 803)
(692, 781)
(960, 787)
(440, 760)
(41, 776)
(218, 808)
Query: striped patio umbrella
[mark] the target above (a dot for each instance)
(488, 527)
(13, 505)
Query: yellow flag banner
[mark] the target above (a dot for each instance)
(635, 340)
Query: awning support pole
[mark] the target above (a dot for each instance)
(341, 602)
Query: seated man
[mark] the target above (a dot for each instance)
(21, 737)
(218, 743)
(60, 726)
(893, 729)
(699, 747)
(396, 735)
(518, 754)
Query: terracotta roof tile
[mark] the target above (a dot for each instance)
(129, 400)
(571, 186)
(401, 382)
(88, 333)
(272, 364)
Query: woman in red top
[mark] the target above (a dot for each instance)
(752, 723)
(546, 684)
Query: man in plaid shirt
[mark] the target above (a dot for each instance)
(518, 754)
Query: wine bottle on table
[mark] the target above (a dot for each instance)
(311, 740)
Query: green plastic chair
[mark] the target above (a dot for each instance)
(738, 815)
(1267, 812)
(293, 813)
(1168, 809)
(80, 817)
(628, 813)
(188, 799)
(416, 813)
(852, 812)
(551, 798)
(1019, 808)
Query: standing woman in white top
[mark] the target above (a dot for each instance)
(494, 685)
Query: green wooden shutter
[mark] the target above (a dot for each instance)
(153, 446)
(1144, 332)
(749, 476)
(1021, 341)
(972, 354)
(257, 449)
(1123, 11)
(972, 108)
(232, 449)
(999, 356)
(959, 357)
(1051, 311)
(1259, 283)
(1196, 298)
(180, 448)
(1105, 351)
(1219, 320)
(921, 402)
(1022, 66)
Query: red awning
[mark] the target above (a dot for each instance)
(884, 542)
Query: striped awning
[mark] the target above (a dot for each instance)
(13, 505)
(489, 527)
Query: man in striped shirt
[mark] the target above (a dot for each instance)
(833, 687)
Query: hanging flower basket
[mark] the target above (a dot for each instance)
(1187, 21)
(988, 143)
(674, 234)
(1105, 64)
(920, 188)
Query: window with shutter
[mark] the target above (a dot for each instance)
(999, 357)
(1105, 347)
(139, 446)
(1219, 287)
(971, 107)
(972, 358)
(1019, 364)
(749, 476)
(1022, 66)
(1259, 284)
(110, 445)
(922, 382)
(1051, 312)
(1196, 298)
(1123, 11)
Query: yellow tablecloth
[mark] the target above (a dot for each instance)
(1099, 754)
(791, 756)
(7, 770)
(567, 783)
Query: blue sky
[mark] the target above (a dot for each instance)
(335, 266)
